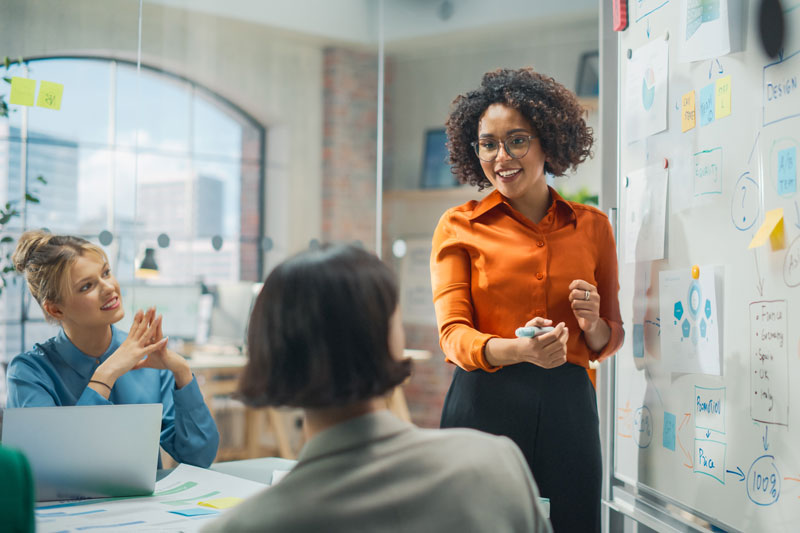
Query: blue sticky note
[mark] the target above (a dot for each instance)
(787, 171)
(707, 104)
(638, 340)
(195, 511)
(669, 431)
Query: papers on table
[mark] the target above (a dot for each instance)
(173, 506)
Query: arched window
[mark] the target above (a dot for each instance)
(149, 159)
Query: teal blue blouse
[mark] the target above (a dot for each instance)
(56, 373)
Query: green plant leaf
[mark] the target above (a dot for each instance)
(7, 239)
(31, 198)
(6, 62)
(6, 79)
(41, 179)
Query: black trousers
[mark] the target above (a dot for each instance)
(552, 416)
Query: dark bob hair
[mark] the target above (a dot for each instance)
(553, 111)
(319, 331)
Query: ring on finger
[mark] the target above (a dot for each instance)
(587, 295)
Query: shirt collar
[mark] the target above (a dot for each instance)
(353, 433)
(80, 362)
(493, 199)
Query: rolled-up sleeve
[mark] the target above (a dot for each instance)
(461, 343)
(607, 277)
(188, 432)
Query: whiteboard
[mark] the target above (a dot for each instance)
(723, 444)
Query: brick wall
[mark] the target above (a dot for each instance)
(348, 198)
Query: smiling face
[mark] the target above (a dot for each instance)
(92, 296)
(519, 180)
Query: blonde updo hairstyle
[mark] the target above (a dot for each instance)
(45, 261)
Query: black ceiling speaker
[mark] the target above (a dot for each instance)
(771, 26)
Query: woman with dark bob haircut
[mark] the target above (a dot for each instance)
(523, 257)
(326, 335)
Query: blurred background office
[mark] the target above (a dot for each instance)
(202, 142)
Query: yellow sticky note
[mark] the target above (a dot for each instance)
(50, 94)
(221, 503)
(771, 229)
(22, 91)
(688, 118)
(723, 107)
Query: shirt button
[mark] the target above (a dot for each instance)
(540, 244)
(539, 276)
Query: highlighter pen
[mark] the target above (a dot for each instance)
(532, 331)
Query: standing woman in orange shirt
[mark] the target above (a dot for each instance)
(524, 256)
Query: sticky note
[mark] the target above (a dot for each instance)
(221, 503)
(194, 511)
(787, 171)
(668, 439)
(22, 91)
(638, 340)
(50, 95)
(707, 104)
(771, 229)
(688, 119)
(723, 104)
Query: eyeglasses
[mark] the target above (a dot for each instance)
(516, 146)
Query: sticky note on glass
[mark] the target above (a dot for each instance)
(22, 91)
(707, 104)
(771, 229)
(688, 118)
(50, 95)
(723, 104)
(787, 171)
(221, 503)
(194, 511)
(668, 439)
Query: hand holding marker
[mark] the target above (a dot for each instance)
(532, 331)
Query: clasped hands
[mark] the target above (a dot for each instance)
(145, 347)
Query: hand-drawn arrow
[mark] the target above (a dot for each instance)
(765, 439)
(797, 209)
(686, 418)
(708, 433)
(759, 279)
(648, 28)
(755, 143)
(738, 472)
(721, 70)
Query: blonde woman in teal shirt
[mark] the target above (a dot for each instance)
(91, 362)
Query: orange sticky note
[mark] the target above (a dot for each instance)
(50, 94)
(22, 91)
(771, 229)
(221, 503)
(723, 100)
(688, 118)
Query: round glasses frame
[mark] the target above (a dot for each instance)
(528, 138)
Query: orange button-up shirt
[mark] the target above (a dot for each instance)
(493, 269)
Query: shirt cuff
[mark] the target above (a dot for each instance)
(189, 396)
(92, 397)
(478, 353)
(614, 342)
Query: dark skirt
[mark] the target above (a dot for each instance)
(552, 416)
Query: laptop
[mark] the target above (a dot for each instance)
(91, 451)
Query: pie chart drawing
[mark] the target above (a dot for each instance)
(648, 88)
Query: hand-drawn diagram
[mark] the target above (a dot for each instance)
(646, 7)
(745, 205)
(769, 371)
(709, 417)
(781, 98)
(692, 336)
(764, 481)
(708, 172)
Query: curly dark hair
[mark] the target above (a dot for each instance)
(553, 111)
